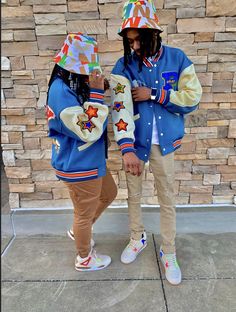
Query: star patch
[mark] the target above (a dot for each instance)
(49, 113)
(86, 125)
(118, 106)
(119, 88)
(91, 112)
(121, 125)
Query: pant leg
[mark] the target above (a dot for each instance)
(108, 194)
(85, 196)
(164, 174)
(134, 185)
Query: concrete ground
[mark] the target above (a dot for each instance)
(38, 272)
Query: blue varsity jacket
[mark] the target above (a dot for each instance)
(77, 132)
(175, 91)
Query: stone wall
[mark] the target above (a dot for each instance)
(33, 31)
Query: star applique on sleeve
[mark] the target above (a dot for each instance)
(49, 113)
(86, 125)
(119, 88)
(91, 112)
(121, 125)
(118, 106)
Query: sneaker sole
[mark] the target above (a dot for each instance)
(91, 269)
(144, 246)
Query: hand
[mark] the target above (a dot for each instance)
(141, 94)
(96, 80)
(132, 164)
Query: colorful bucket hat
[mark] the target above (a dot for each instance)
(79, 54)
(139, 14)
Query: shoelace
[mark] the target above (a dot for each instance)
(172, 261)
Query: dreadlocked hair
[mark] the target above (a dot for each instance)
(74, 81)
(150, 44)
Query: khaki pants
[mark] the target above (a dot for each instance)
(90, 198)
(163, 171)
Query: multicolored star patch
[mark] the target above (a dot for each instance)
(118, 106)
(121, 125)
(91, 112)
(86, 125)
(119, 88)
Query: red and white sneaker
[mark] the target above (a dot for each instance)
(172, 270)
(70, 233)
(93, 262)
(132, 250)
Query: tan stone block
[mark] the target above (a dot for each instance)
(4, 137)
(183, 176)
(60, 193)
(47, 8)
(80, 6)
(24, 35)
(200, 198)
(233, 185)
(224, 106)
(30, 154)
(59, 203)
(95, 28)
(190, 156)
(207, 98)
(94, 15)
(15, 137)
(217, 123)
(208, 106)
(211, 179)
(230, 24)
(43, 30)
(8, 158)
(218, 153)
(22, 11)
(46, 143)
(19, 48)
(215, 67)
(7, 36)
(14, 200)
(172, 4)
(228, 199)
(49, 19)
(25, 91)
(204, 132)
(22, 74)
(182, 200)
(189, 187)
(6, 83)
(204, 36)
(15, 112)
(31, 143)
(15, 103)
(21, 188)
(110, 10)
(228, 177)
(208, 162)
(17, 63)
(227, 169)
(21, 120)
(44, 175)
(178, 39)
(110, 58)
(190, 13)
(201, 25)
(219, 8)
(37, 62)
(232, 161)
(110, 46)
(36, 196)
(18, 22)
(9, 128)
(18, 172)
(232, 129)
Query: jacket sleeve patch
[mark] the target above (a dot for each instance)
(118, 106)
(119, 88)
(121, 125)
(91, 112)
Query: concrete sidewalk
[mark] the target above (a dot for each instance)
(38, 272)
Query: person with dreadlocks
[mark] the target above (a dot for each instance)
(77, 120)
(153, 87)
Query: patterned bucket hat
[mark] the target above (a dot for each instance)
(139, 14)
(79, 54)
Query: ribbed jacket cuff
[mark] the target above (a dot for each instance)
(126, 145)
(96, 95)
(162, 96)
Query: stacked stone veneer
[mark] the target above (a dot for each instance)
(33, 31)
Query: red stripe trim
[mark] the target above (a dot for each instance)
(95, 95)
(178, 142)
(125, 145)
(81, 174)
(162, 96)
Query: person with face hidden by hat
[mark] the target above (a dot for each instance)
(153, 87)
(77, 121)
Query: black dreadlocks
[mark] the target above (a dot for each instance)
(150, 43)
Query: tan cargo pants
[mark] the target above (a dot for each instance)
(164, 175)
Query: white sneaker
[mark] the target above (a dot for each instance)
(172, 270)
(92, 262)
(132, 250)
(70, 233)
